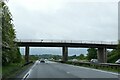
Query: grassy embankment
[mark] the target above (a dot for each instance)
(11, 70)
(0, 71)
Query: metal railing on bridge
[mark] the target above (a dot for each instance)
(68, 41)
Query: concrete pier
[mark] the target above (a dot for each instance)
(64, 54)
(27, 54)
(102, 55)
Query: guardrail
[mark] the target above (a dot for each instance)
(103, 66)
(68, 41)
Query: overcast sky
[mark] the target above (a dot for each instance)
(95, 20)
(65, 19)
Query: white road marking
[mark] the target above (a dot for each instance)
(51, 62)
(96, 70)
(28, 73)
(68, 72)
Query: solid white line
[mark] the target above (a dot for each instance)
(27, 74)
(95, 69)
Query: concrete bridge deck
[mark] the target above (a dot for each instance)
(67, 43)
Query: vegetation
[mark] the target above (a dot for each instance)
(92, 53)
(72, 57)
(10, 51)
(12, 70)
(112, 57)
(80, 57)
(114, 54)
(50, 56)
(96, 66)
(11, 57)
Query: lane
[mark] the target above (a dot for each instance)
(48, 70)
(59, 70)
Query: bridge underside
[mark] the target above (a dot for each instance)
(64, 54)
(102, 56)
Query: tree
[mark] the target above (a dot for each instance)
(114, 54)
(118, 50)
(10, 51)
(81, 56)
(92, 53)
(73, 57)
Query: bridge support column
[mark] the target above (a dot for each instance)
(27, 54)
(64, 54)
(102, 55)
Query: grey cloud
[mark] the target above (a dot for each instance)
(77, 21)
(97, 21)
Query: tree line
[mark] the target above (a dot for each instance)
(10, 50)
(112, 56)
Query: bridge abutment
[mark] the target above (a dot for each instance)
(27, 53)
(64, 54)
(102, 55)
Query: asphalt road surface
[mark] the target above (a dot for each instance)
(65, 71)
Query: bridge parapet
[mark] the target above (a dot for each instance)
(68, 41)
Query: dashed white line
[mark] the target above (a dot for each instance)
(68, 72)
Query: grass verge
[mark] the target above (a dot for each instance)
(0, 72)
(11, 70)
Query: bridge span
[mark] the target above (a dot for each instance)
(65, 44)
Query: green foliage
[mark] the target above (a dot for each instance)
(72, 57)
(12, 69)
(114, 55)
(56, 57)
(118, 50)
(33, 57)
(92, 53)
(10, 52)
(95, 66)
(50, 56)
(81, 56)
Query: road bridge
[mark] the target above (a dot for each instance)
(65, 44)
